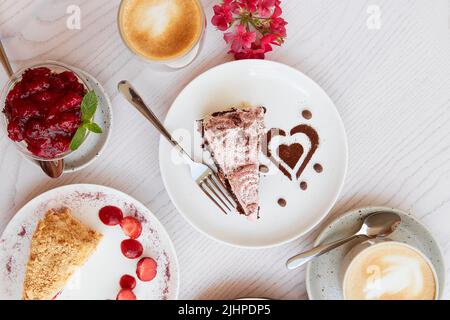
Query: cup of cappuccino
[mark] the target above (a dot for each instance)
(388, 270)
(164, 32)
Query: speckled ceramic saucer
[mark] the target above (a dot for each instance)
(322, 274)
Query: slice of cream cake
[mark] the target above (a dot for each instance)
(234, 138)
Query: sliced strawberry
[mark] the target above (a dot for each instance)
(67, 122)
(41, 72)
(69, 101)
(36, 85)
(110, 215)
(131, 227)
(35, 129)
(132, 249)
(127, 282)
(146, 269)
(16, 93)
(15, 131)
(68, 76)
(126, 294)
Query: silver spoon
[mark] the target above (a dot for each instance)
(376, 225)
(54, 169)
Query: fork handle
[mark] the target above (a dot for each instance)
(135, 99)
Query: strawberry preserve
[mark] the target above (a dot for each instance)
(43, 109)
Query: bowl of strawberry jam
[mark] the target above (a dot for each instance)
(41, 106)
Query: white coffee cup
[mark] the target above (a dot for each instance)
(388, 270)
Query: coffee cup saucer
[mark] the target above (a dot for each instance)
(323, 281)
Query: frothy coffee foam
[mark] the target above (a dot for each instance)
(389, 271)
(161, 29)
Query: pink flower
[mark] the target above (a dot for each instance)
(222, 16)
(267, 41)
(278, 26)
(258, 26)
(277, 11)
(249, 5)
(265, 8)
(258, 51)
(249, 54)
(241, 39)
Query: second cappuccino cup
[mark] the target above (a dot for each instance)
(388, 270)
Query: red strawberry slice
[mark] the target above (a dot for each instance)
(146, 269)
(41, 72)
(70, 101)
(131, 227)
(127, 282)
(15, 131)
(37, 85)
(110, 215)
(68, 76)
(132, 249)
(126, 294)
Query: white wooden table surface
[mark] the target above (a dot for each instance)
(391, 86)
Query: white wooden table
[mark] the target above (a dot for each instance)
(390, 84)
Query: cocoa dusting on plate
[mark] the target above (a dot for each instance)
(167, 276)
(303, 185)
(90, 195)
(282, 202)
(318, 168)
(306, 114)
(9, 265)
(22, 232)
(290, 155)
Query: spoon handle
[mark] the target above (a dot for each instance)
(5, 61)
(304, 257)
(135, 99)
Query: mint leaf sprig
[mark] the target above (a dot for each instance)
(88, 109)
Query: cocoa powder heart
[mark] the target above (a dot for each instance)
(290, 154)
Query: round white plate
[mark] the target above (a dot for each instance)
(94, 145)
(322, 274)
(99, 277)
(285, 93)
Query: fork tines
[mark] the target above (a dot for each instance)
(215, 190)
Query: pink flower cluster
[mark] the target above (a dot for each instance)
(257, 26)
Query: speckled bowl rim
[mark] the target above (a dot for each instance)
(374, 209)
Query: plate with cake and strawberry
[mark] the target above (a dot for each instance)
(275, 140)
(86, 242)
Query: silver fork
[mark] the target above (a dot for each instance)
(203, 175)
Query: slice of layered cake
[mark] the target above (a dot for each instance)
(60, 245)
(234, 140)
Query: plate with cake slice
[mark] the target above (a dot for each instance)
(86, 242)
(276, 141)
